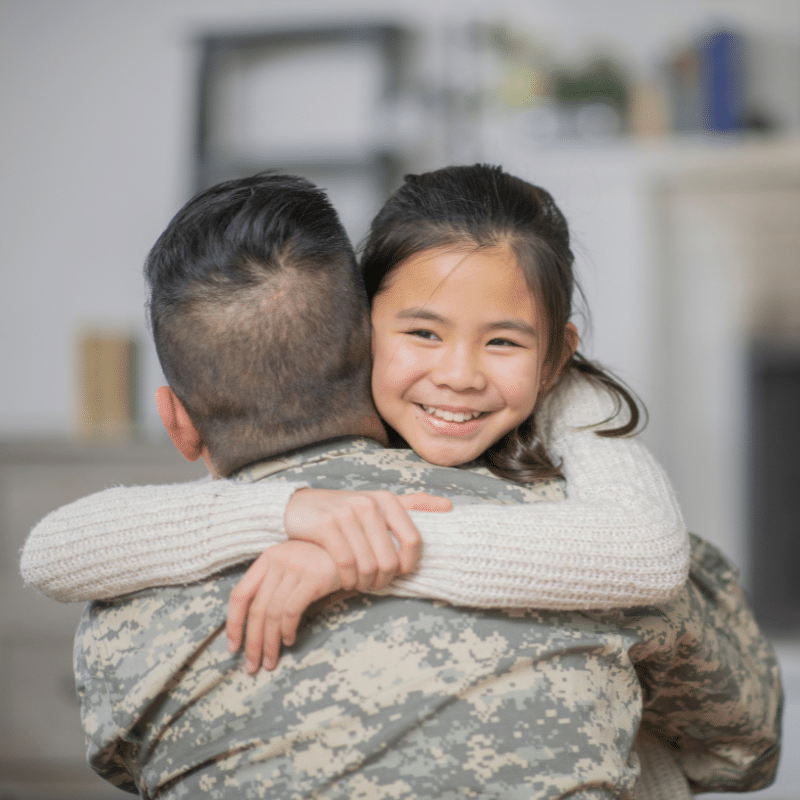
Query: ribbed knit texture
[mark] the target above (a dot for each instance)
(617, 540)
(128, 538)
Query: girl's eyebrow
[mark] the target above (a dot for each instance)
(420, 313)
(505, 324)
(514, 325)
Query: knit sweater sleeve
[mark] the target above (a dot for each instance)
(618, 540)
(125, 539)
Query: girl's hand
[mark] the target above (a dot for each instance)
(274, 592)
(358, 530)
(340, 540)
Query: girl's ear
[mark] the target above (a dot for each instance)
(179, 426)
(571, 342)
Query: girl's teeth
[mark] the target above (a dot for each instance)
(450, 416)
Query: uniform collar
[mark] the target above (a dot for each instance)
(313, 454)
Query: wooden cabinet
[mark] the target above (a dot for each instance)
(42, 751)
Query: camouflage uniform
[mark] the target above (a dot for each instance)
(385, 697)
(711, 682)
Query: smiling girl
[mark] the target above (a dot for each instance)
(469, 271)
(459, 348)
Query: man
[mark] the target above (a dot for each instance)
(261, 328)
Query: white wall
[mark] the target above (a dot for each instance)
(96, 103)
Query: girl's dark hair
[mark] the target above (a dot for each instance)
(483, 206)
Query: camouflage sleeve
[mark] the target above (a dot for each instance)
(716, 699)
(97, 716)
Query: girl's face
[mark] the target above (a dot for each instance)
(458, 346)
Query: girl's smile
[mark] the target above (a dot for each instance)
(453, 423)
(452, 415)
(459, 346)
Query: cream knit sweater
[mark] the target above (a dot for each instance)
(617, 540)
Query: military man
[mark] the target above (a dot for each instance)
(379, 697)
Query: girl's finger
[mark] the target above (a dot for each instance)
(408, 539)
(305, 593)
(333, 540)
(276, 625)
(240, 598)
(273, 621)
(378, 538)
(256, 616)
(350, 521)
(422, 501)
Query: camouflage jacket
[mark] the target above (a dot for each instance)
(385, 697)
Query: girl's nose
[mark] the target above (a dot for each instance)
(459, 369)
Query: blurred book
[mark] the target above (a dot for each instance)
(706, 84)
(684, 91)
(108, 385)
(722, 72)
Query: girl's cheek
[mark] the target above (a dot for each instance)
(381, 350)
(519, 379)
(394, 353)
(410, 363)
(390, 366)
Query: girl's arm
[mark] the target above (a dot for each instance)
(125, 539)
(128, 538)
(618, 540)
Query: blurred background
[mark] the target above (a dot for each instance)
(668, 132)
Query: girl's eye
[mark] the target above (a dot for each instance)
(503, 343)
(424, 334)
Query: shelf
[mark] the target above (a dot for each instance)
(334, 119)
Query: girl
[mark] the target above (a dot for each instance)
(470, 273)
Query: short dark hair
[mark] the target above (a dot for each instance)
(260, 318)
(482, 206)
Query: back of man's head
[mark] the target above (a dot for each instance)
(260, 318)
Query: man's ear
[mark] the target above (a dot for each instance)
(571, 342)
(179, 426)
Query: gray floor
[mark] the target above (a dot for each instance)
(787, 784)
